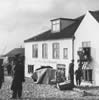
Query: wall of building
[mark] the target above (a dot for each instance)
(38, 62)
(89, 31)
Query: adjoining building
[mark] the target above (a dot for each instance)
(10, 59)
(62, 43)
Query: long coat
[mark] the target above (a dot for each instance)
(18, 76)
(1, 75)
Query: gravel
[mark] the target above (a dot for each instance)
(32, 91)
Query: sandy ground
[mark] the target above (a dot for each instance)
(32, 91)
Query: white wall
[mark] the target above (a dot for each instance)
(38, 62)
(89, 31)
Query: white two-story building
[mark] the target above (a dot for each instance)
(59, 45)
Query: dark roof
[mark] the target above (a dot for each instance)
(63, 19)
(80, 17)
(95, 14)
(15, 51)
(67, 32)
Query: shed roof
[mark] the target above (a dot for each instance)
(15, 51)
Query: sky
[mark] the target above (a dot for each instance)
(22, 19)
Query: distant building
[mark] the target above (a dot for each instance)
(59, 45)
(15, 51)
(10, 57)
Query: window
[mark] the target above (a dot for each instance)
(55, 50)
(65, 53)
(35, 51)
(87, 75)
(44, 50)
(30, 68)
(86, 44)
(56, 26)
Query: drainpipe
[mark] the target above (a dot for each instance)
(73, 47)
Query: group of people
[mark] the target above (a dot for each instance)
(18, 76)
(78, 73)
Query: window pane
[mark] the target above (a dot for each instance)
(35, 51)
(30, 68)
(86, 44)
(65, 53)
(55, 50)
(56, 26)
(44, 51)
(87, 75)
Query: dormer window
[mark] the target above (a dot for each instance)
(59, 24)
(56, 26)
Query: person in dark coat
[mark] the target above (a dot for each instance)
(9, 68)
(1, 74)
(78, 74)
(18, 78)
(71, 72)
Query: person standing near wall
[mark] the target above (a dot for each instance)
(1, 72)
(71, 72)
(18, 78)
(78, 74)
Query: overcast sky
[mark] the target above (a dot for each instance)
(21, 19)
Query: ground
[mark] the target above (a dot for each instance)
(32, 91)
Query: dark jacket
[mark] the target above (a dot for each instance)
(1, 73)
(78, 73)
(71, 69)
(18, 76)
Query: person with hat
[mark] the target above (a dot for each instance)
(71, 72)
(18, 78)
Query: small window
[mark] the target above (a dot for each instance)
(55, 48)
(56, 26)
(35, 51)
(65, 53)
(30, 68)
(86, 44)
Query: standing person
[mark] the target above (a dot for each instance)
(18, 78)
(71, 72)
(78, 74)
(9, 68)
(1, 73)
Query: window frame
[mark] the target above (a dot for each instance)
(56, 26)
(44, 50)
(55, 51)
(86, 75)
(65, 53)
(86, 44)
(35, 50)
(30, 69)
